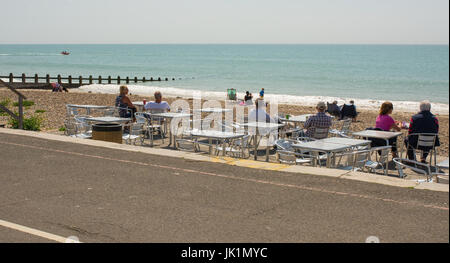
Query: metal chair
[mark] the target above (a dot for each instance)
(236, 148)
(320, 133)
(136, 131)
(294, 158)
(345, 129)
(71, 111)
(110, 112)
(425, 141)
(418, 167)
(149, 126)
(77, 129)
(356, 160)
(381, 159)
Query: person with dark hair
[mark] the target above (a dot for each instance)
(349, 111)
(423, 122)
(333, 109)
(385, 122)
(320, 120)
(248, 96)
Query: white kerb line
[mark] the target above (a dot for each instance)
(36, 232)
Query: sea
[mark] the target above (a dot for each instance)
(292, 74)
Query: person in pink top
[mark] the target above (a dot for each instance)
(386, 123)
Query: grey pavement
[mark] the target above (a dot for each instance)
(107, 195)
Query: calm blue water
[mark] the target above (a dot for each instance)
(378, 72)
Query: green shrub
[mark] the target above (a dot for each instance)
(32, 123)
(5, 103)
(40, 111)
(26, 103)
(62, 128)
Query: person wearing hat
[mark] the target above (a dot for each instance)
(320, 120)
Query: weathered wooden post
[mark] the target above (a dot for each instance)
(151, 78)
(20, 112)
(109, 79)
(59, 79)
(118, 79)
(80, 80)
(23, 77)
(135, 79)
(11, 78)
(143, 79)
(99, 79)
(127, 80)
(167, 79)
(90, 79)
(70, 79)
(36, 78)
(47, 79)
(159, 79)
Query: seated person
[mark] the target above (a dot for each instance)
(334, 109)
(259, 114)
(320, 120)
(349, 111)
(385, 122)
(423, 122)
(157, 106)
(248, 98)
(56, 87)
(126, 107)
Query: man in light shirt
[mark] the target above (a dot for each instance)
(259, 114)
(157, 106)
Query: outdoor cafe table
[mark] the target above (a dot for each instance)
(384, 135)
(216, 135)
(214, 110)
(170, 116)
(264, 126)
(330, 146)
(88, 108)
(108, 119)
(297, 119)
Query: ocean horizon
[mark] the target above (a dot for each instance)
(366, 73)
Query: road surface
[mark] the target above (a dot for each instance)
(106, 195)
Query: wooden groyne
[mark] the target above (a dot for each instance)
(39, 82)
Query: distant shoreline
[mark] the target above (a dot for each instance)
(366, 104)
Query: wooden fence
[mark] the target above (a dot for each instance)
(71, 82)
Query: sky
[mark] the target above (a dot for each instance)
(224, 21)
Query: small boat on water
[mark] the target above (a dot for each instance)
(65, 53)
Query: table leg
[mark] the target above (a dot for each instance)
(210, 146)
(328, 160)
(255, 147)
(223, 148)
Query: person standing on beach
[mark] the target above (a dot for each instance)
(261, 93)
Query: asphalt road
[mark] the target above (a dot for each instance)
(104, 195)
